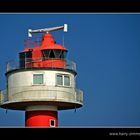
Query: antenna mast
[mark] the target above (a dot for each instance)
(47, 30)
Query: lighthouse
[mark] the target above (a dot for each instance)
(42, 81)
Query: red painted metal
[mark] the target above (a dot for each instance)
(41, 118)
(47, 43)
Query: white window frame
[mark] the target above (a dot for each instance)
(38, 74)
(63, 75)
(54, 123)
(56, 79)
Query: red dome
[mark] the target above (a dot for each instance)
(49, 43)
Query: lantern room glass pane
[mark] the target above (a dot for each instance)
(24, 57)
(54, 54)
(57, 53)
(51, 54)
(45, 54)
(63, 54)
(29, 56)
(38, 79)
(22, 60)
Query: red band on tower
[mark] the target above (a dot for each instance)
(41, 118)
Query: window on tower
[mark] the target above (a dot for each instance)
(37, 79)
(62, 80)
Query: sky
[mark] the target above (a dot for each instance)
(106, 49)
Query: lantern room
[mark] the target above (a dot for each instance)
(47, 54)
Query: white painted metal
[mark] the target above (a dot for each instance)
(21, 87)
(30, 31)
(65, 27)
(41, 107)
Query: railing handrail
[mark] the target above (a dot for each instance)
(78, 93)
(15, 64)
(34, 41)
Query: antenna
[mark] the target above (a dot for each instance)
(47, 30)
(63, 41)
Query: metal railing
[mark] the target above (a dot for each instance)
(30, 63)
(3, 96)
(27, 93)
(79, 95)
(30, 42)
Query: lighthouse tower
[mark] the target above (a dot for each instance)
(42, 81)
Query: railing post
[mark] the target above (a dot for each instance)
(7, 66)
(0, 97)
(75, 95)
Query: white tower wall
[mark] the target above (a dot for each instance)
(21, 89)
(25, 78)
